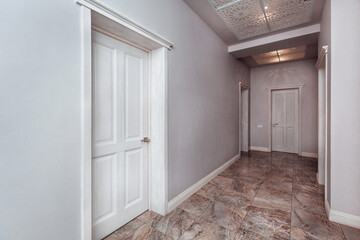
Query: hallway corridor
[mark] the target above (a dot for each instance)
(261, 196)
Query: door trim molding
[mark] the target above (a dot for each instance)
(158, 106)
(322, 63)
(175, 202)
(287, 87)
(131, 25)
(243, 87)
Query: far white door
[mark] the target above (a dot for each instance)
(119, 124)
(285, 122)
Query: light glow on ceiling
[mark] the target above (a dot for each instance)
(283, 55)
(250, 18)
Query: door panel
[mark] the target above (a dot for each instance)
(133, 103)
(104, 104)
(120, 159)
(104, 185)
(285, 121)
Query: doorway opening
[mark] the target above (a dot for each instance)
(244, 134)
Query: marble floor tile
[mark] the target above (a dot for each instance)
(196, 204)
(309, 188)
(308, 202)
(148, 217)
(153, 234)
(351, 233)
(175, 223)
(222, 215)
(210, 191)
(271, 198)
(244, 187)
(306, 225)
(221, 182)
(268, 222)
(279, 183)
(304, 177)
(251, 179)
(261, 196)
(206, 230)
(244, 234)
(279, 172)
(231, 173)
(135, 229)
(236, 201)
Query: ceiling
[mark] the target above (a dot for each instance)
(236, 21)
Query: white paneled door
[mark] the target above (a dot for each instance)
(119, 124)
(285, 122)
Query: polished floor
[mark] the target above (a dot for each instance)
(260, 196)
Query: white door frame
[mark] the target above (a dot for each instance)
(242, 87)
(158, 47)
(322, 67)
(270, 90)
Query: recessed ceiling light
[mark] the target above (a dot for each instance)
(266, 7)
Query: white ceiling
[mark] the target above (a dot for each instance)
(236, 21)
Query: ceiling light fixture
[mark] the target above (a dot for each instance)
(266, 7)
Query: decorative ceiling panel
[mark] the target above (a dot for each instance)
(250, 29)
(220, 3)
(250, 18)
(241, 12)
(291, 17)
(282, 55)
(292, 56)
(275, 6)
(266, 55)
(262, 61)
(291, 50)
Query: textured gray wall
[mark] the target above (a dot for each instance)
(284, 74)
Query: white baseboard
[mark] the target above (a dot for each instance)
(194, 188)
(327, 207)
(318, 179)
(307, 154)
(261, 149)
(341, 217)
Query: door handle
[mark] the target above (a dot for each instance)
(275, 124)
(146, 139)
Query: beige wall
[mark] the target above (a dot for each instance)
(284, 74)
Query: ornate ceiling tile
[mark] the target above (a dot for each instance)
(240, 12)
(289, 18)
(220, 3)
(250, 29)
(250, 18)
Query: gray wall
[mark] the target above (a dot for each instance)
(284, 74)
(325, 39)
(203, 89)
(40, 108)
(345, 111)
(40, 120)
